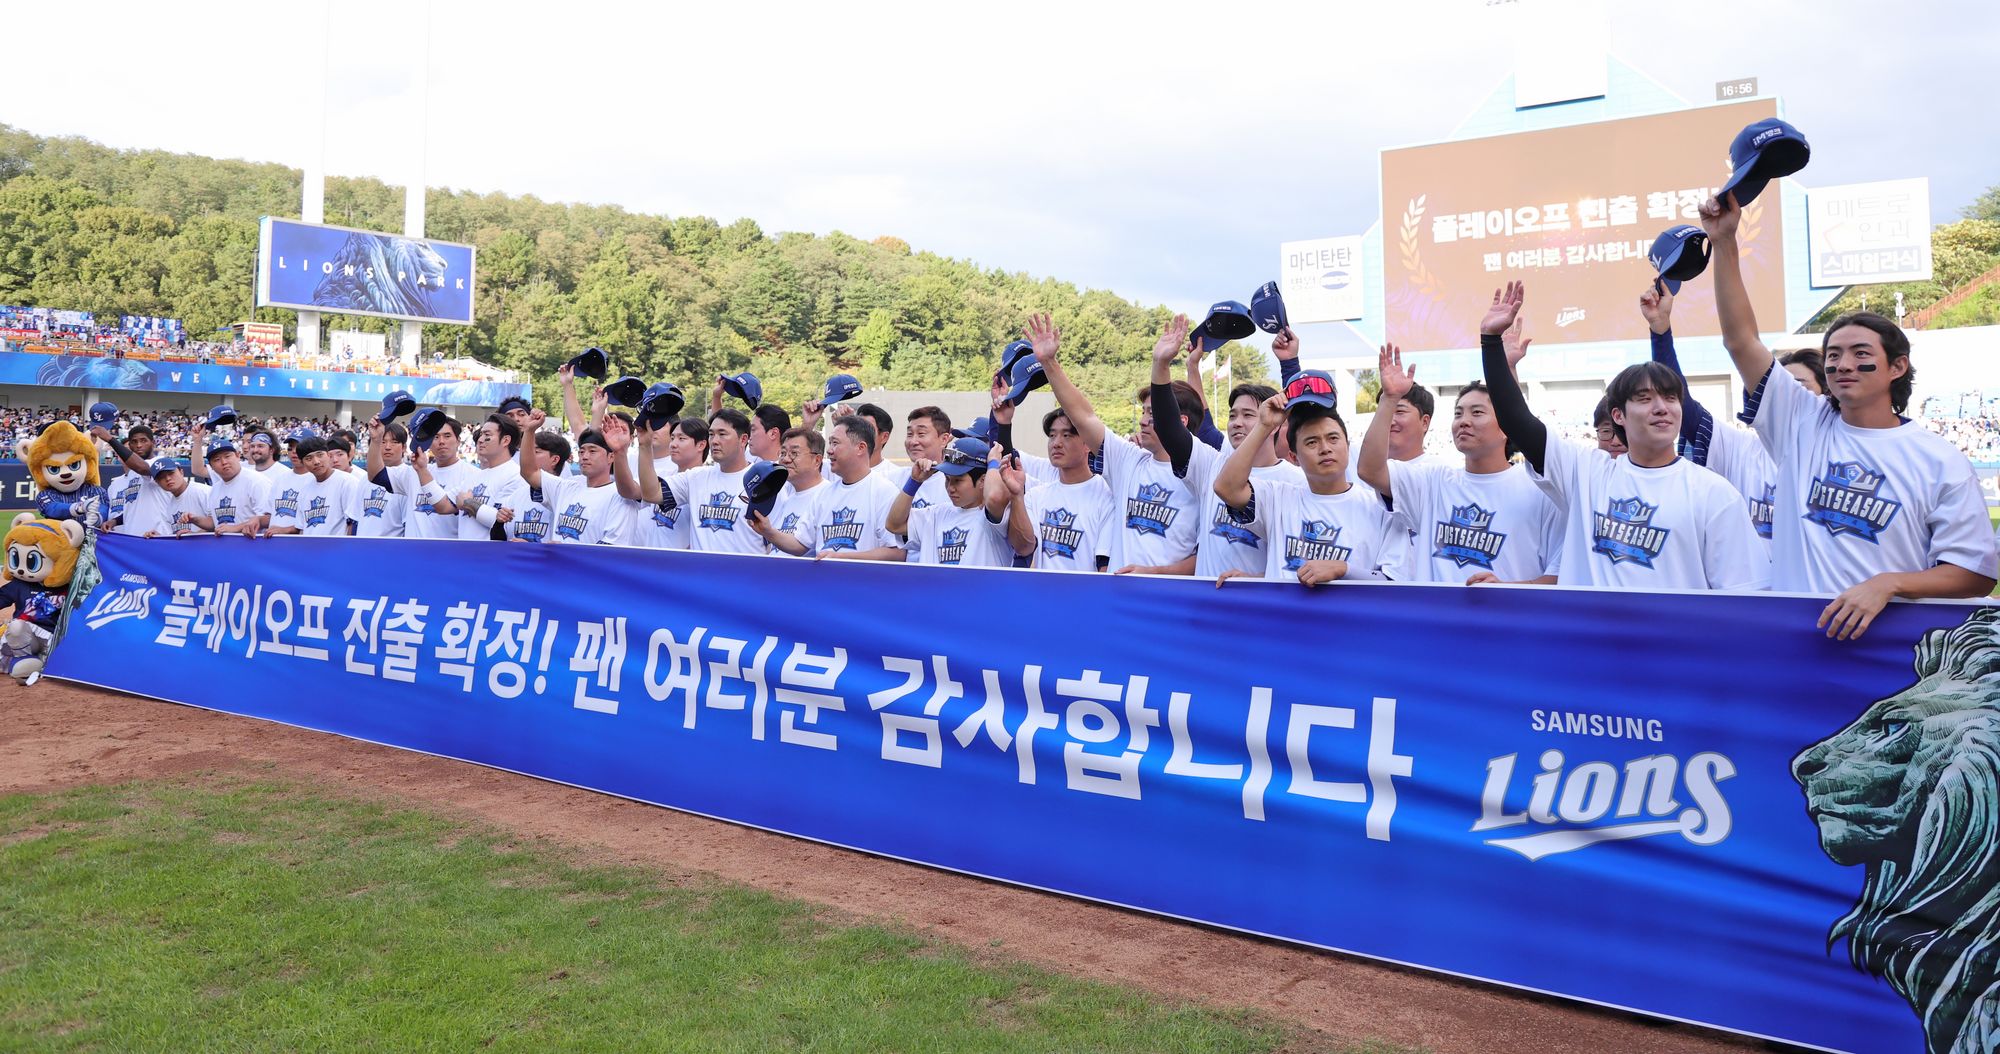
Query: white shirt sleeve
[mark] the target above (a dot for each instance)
(1413, 486)
(1731, 553)
(1562, 465)
(1959, 527)
(1784, 409)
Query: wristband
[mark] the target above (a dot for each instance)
(486, 516)
(992, 463)
(912, 485)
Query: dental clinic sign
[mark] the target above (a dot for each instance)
(1864, 233)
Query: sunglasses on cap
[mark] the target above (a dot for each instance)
(1307, 384)
(954, 456)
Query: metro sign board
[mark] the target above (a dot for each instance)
(1321, 279)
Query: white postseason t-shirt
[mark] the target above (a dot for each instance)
(1679, 526)
(1073, 523)
(195, 499)
(852, 518)
(571, 510)
(1226, 545)
(237, 501)
(1156, 516)
(1852, 503)
(712, 502)
(1465, 523)
(1299, 526)
(1737, 455)
(797, 508)
(500, 487)
(421, 520)
(313, 507)
(949, 536)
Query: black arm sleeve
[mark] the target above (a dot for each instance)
(1510, 407)
(1174, 435)
(381, 479)
(1005, 433)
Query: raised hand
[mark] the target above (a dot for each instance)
(1396, 381)
(375, 430)
(1506, 307)
(536, 419)
(566, 374)
(921, 469)
(1046, 338)
(1002, 411)
(1012, 474)
(1285, 345)
(616, 433)
(1271, 413)
(1657, 306)
(809, 414)
(1515, 345)
(1172, 340)
(1719, 217)
(600, 400)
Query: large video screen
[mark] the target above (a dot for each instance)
(310, 267)
(1572, 212)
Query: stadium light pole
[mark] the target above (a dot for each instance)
(411, 349)
(312, 191)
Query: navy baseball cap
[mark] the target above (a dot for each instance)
(1766, 150)
(626, 391)
(761, 486)
(426, 425)
(1226, 321)
(744, 386)
(661, 403)
(515, 402)
(396, 404)
(1311, 386)
(1025, 377)
(221, 415)
(1267, 309)
(220, 444)
(981, 429)
(301, 434)
(1014, 353)
(161, 465)
(590, 362)
(964, 455)
(104, 414)
(1678, 255)
(839, 388)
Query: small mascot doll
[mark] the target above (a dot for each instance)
(41, 557)
(63, 463)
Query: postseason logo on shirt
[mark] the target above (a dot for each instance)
(1226, 528)
(1847, 500)
(1625, 533)
(286, 505)
(719, 512)
(1760, 510)
(570, 525)
(316, 513)
(951, 547)
(1059, 534)
(532, 525)
(376, 504)
(843, 534)
(1317, 540)
(1147, 512)
(1467, 540)
(225, 511)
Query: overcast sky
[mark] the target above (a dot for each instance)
(1161, 151)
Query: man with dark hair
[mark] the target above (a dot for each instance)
(1869, 505)
(1156, 523)
(239, 500)
(432, 471)
(1482, 521)
(802, 453)
(187, 502)
(313, 502)
(1648, 520)
(1322, 530)
(376, 509)
(494, 493)
(340, 451)
(712, 495)
(767, 431)
(1067, 522)
(518, 410)
(585, 509)
(924, 438)
(852, 522)
(137, 449)
(970, 529)
(262, 450)
(1608, 439)
(658, 523)
(884, 425)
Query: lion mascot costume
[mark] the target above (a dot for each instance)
(63, 463)
(41, 560)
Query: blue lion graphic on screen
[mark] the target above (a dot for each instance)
(1911, 791)
(72, 371)
(382, 273)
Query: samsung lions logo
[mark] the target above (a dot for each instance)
(288, 505)
(719, 512)
(1568, 806)
(791, 523)
(116, 604)
(1059, 534)
(951, 547)
(1148, 512)
(1466, 540)
(570, 525)
(842, 534)
(1316, 541)
(1847, 500)
(1626, 534)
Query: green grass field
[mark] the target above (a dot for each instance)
(263, 916)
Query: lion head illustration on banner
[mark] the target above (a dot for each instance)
(1911, 791)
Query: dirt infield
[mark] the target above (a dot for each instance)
(56, 735)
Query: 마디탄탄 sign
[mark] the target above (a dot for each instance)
(1321, 279)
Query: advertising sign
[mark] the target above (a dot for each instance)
(1864, 233)
(1321, 279)
(309, 267)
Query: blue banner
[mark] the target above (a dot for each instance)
(18, 490)
(312, 267)
(1693, 806)
(160, 375)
